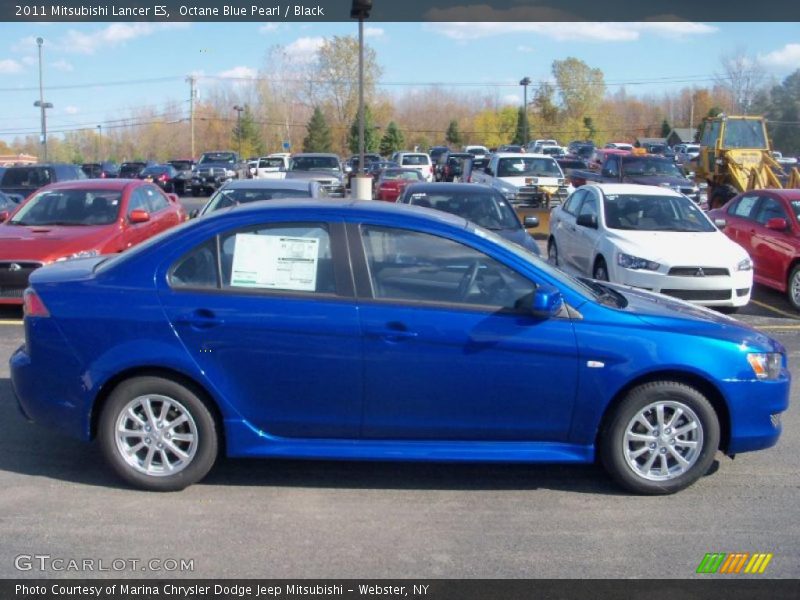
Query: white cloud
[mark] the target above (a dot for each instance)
(268, 28)
(240, 72)
(9, 65)
(511, 99)
(99, 40)
(788, 56)
(62, 65)
(72, 110)
(373, 32)
(304, 49)
(525, 49)
(28, 60)
(587, 31)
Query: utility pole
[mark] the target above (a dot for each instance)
(239, 110)
(41, 104)
(360, 10)
(191, 79)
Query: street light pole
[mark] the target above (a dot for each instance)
(360, 10)
(97, 146)
(41, 104)
(239, 110)
(525, 82)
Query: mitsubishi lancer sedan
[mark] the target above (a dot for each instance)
(374, 331)
(651, 238)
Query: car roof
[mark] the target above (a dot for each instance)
(522, 155)
(634, 188)
(316, 154)
(271, 184)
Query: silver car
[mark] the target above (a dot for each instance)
(241, 191)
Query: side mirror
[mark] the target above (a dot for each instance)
(4, 215)
(488, 170)
(721, 223)
(173, 197)
(545, 303)
(194, 213)
(529, 222)
(139, 216)
(589, 221)
(777, 224)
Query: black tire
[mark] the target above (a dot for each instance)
(793, 283)
(600, 270)
(552, 252)
(203, 427)
(613, 446)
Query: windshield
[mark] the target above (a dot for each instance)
(33, 177)
(517, 167)
(487, 209)
(408, 174)
(218, 157)
(641, 212)
(70, 207)
(270, 163)
(314, 163)
(744, 133)
(233, 196)
(650, 166)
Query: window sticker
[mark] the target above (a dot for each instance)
(275, 262)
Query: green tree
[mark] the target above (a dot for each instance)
(453, 135)
(784, 109)
(318, 138)
(246, 134)
(520, 135)
(392, 140)
(591, 130)
(665, 128)
(581, 88)
(370, 133)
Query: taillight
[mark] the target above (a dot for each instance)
(32, 305)
(102, 175)
(163, 177)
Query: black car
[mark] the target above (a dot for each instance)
(131, 170)
(7, 205)
(21, 181)
(352, 164)
(184, 167)
(471, 165)
(101, 170)
(215, 169)
(570, 163)
(164, 176)
(436, 153)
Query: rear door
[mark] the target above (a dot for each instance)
(772, 251)
(565, 229)
(585, 240)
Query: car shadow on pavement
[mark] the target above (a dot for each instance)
(30, 449)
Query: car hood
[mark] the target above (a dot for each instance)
(46, 243)
(664, 312)
(678, 248)
(659, 180)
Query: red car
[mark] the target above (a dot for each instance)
(77, 219)
(391, 183)
(765, 223)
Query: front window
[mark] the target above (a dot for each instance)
(218, 157)
(526, 166)
(314, 163)
(489, 210)
(650, 167)
(744, 133)
(270, 163)
(642, 212)
(70, 207)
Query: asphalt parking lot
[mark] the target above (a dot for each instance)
(371, 520)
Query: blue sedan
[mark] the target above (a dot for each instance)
(366, 330)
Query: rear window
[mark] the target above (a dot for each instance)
(33, 177)
(416, 159)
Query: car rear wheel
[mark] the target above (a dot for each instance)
(600, 270)
(552, 252)
(793, 288)
(660, 439)
(158, 434)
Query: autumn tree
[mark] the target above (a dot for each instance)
(318, 138)
(392, 140)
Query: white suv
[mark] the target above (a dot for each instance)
(415, 160)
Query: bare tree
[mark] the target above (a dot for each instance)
(742, 76)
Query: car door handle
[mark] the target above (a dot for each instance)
(392, 332)
(202, 318)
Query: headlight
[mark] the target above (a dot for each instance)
(634, 262)
(745, 265)
(230, 173)
(81, 254)
(766, 365)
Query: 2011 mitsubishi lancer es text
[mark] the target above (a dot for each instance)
(361, 330)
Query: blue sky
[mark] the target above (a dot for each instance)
(646, 57)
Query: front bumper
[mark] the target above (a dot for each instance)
(755, 409)
(539, 196)
(14, 276)
(727, 291)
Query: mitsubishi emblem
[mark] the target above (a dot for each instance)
(14, 267)
(700, 272)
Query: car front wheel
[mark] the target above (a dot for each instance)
(600, 271)
(660, 439)
(793, 289)
(158, 434)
